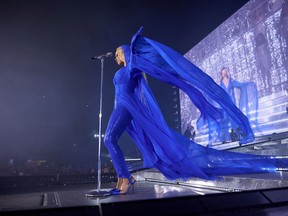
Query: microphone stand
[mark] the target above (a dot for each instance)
(98, 192)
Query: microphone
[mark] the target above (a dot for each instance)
(109, 54)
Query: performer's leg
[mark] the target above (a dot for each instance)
(119, 120)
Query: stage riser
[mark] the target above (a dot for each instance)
(237, 182)
(271, 109)
(281, 94)
(226, 183)
(272, 118)
(272, 127)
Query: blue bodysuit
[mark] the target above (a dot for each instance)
(137, 112)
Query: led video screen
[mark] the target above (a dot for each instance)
(249, 47)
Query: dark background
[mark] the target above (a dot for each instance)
(49, 87)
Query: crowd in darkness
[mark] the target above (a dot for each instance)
(43, 167)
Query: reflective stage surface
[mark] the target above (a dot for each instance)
(68, 196)
(147, 198)
(253, 194)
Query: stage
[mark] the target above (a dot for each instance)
(253, 194)
(147, 198)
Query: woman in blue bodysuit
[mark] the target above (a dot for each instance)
(120, 118)
(137, 112)
(247, 101)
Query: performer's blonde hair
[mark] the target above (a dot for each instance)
(120, 53)
(227, 72)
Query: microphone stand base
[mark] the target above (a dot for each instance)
(98, 193)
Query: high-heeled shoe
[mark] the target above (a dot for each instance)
(131, 182)
(118, 185)
(112, 190)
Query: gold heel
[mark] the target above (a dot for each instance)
(119, 183)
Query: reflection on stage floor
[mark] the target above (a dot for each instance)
(147, 197)
(253, 194)
(76, 195)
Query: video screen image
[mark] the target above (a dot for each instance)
(248, 49)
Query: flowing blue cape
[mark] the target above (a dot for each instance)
(163, 148)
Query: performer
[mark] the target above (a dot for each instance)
(190, 132)
(137, 112)
(247, 101)
(262, 53)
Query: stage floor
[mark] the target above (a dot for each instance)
(75, 195)
(147, 198)
(253, 194)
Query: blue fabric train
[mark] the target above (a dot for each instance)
(136, 110)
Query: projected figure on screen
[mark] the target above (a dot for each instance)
(247, 101)
(262, 53)
(136, 111)
(233, 135)
(190, 132)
